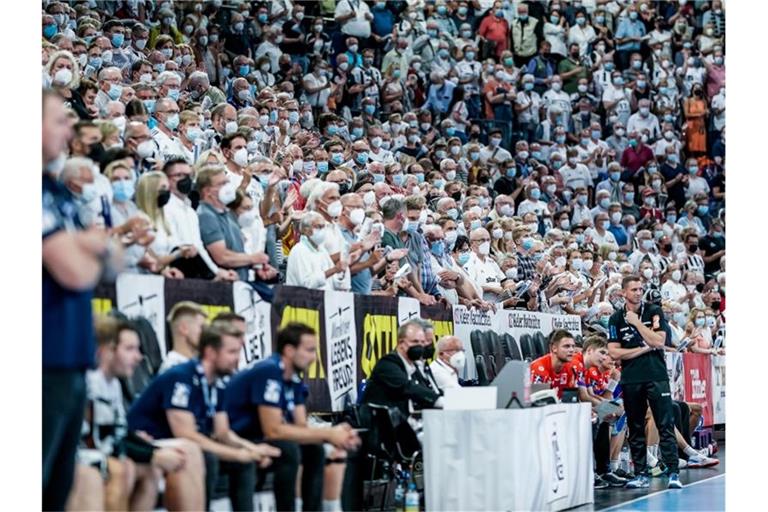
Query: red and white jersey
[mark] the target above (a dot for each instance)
(542, 372)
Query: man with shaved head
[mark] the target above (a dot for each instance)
(483, 271)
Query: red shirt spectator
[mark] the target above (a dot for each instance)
(495, 29)
(633, 159)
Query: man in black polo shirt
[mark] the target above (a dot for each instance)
(636, 336)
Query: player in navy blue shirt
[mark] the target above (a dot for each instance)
(266, 402)
(187, 402)
(72, 264)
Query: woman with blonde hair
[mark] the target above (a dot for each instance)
(152, 193)
(64, 72)
(110, 134)
(209, 157)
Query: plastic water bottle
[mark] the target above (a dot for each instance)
(412, 498)
(624, 459)
(400, 493)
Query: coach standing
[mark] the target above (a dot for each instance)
(73, 260)
(636, 337)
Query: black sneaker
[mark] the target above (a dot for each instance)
(623, 474)
(600, 483)
(614, 480)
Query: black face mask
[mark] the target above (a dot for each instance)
(416, 353)
(716, 305)
(162, 198)
(456, 196)
(475, 135)
(343, 188)
(95, 152)
(667, 247)
(429, 352)
(692, 247)
(700, 287)
(483, 179)
(184, 186)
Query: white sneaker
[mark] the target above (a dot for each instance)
(701, 462)
(682, 463)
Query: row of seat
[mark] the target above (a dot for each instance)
(492, 350)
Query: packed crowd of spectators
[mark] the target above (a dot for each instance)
(492, 154)
(512, 154)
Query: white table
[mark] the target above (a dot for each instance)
(508, 459)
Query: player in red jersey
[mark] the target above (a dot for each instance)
(555, 368)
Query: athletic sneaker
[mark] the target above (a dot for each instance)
(614, 480)
(658, 470)
(700, 461)
(674, 482)
(639, 482)
(682, 463)
(600, 483)
(623, 474)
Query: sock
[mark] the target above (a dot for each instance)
(652, 460)
(299, 504)
(614, 465)
(654, 450)
(691, 452)
(331, 505)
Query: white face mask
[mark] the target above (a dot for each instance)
(560, 261)
(247, 219)
(334, 209)
(587, 265)
(62, 77)
(227, 193)
(357, 216)
(676, 274)
(369, 198)
(241, 157)
(230, 127)
(318, 236)
(498, 233)
(458, 360)
(511, 273)
(647, 273)
(484, 248)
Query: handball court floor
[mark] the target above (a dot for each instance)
(703, 490)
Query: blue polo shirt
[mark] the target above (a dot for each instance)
(263, 384)
(68, 340)
(183, 387)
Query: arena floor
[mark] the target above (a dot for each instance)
(704, 490)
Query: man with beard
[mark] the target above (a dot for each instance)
(267, 402)
(187, 402)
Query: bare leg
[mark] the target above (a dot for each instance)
(87, 492)
(696, 413)
(333, 479)
(122, 476)
(185, 489)
(617, 443)
(145, 491)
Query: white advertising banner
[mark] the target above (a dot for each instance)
(718, 388)
(143, 295)
(341, 351)
(464, 322)
(408, 308)
(676, 375)
(471, 462)
(258, 336)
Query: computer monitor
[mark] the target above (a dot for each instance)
(514, 385)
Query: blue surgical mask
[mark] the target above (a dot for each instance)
(703, 209)
(362, 158)
(560, 139)
(536, 155)
(149, 105)
(273, 116)
(244, 69)
(609, 66)
(535, 194)
(332, 129)
(398, 179)
(115, 91)
(615, 176)
(437, 248)
(173, 94)
(463, 258)
(511, 172)
(357, 132)
(629, 197)
(605, 203)
(123, 190)
(596, 134)
(693, 169)
(378, 178)
(604, 320)
(528, 86)
(118, 40)
(293, 117)
(370, 109)
(322, 167)
(337, 158)
(50, 30)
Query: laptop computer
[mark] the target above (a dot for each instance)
(514, 385)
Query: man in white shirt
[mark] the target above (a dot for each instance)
(449, 362)
(493, 151)
(556, 96)
(354, 17)
(483, 271)
(110, 88)
(645, 248)
(325, 200)
(643, 120)
(164, 134)
(533, 202)
(186, 320)
(575, 174)
(183, 220)
(377, 152)
(309, 264)
(599, 233)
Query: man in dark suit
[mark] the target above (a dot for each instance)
(396, 381)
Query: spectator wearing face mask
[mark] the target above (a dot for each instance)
(601, 234)
(689, 220)
(533, 202)
(449, 363)
(483, 271)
